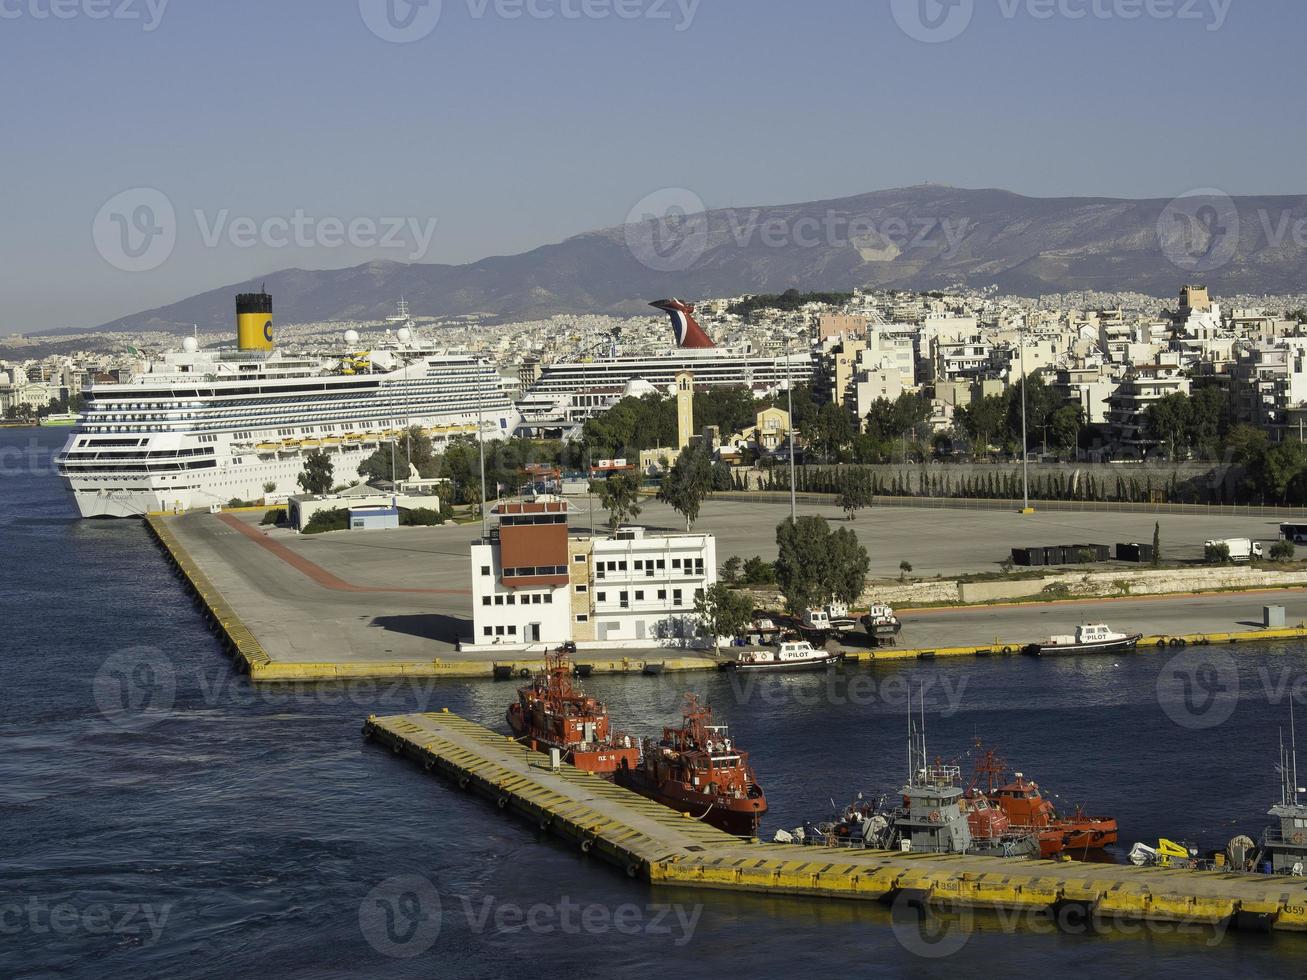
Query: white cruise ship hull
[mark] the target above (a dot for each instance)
(201, 430)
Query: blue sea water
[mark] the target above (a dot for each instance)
(162, 816)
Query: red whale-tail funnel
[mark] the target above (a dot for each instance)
(688, 331)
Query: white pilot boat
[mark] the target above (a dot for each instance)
(788, 655)
(1095, 638)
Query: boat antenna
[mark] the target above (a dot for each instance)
(1293, 749)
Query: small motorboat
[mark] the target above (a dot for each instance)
(1087, 639)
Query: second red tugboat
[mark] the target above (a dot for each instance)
(552, 713)
(698, 770)
(1019, 798)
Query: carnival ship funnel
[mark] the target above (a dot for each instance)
(688, 332)
(254, 321)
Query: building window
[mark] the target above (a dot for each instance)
(499, 631)
(485, 569)
(676, 597)
(639, 595)
(601, 597)
(583, 618)
(485, 600)
(579, 559)
(499, 600)
(512, 631)
(662, 594)
(512, 600)
(661, 564)
(488, 632)
(583, 588)
(549, 598)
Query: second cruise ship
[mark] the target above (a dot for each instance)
(198, 428)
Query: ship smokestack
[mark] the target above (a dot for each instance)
(254, 321)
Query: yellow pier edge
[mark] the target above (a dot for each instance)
(659, 845)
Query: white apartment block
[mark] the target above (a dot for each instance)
(537, 585)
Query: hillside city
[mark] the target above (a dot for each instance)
(1112, 377)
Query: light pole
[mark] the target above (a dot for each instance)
(789, 395)
(1025, 456)
(481, 443)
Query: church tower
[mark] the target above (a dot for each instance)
(684, 408)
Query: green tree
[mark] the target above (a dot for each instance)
(687, 484)
(1064, 427)
(1281, 472)
(1169, 421)
(1157, 543)
(723, 612)
(905, 569)
(731, 570)
(758, 572)
(387, 460)
(816, 565)
(619, 495)
(831, 431)
(1041, 403)
(316, 476)
(984, 421)
(855, 492)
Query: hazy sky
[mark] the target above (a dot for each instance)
(509, 132)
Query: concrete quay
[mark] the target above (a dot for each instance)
(656, 844)
(394, 603)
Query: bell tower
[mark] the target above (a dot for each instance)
(684, 408)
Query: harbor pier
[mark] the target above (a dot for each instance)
(653, 843)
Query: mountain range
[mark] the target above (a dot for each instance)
(914, 238)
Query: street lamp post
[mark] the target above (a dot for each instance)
(481, 442)
(1025, 456)
(789, 395)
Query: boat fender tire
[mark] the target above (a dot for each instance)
(429, 765)
(1299, 837)
(397, 748)
(544, 824)
(632, 871)
(1161, 643)
(586, 845)
(524, 673)
(936, 816)
(1174, 641)
(462, 782)
(502, 802)
(1007, 651)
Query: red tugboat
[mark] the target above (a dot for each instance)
(552, 713)
(1026, 809)
(698, 770)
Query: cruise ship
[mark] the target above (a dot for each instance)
(201, 428)
(566, 394)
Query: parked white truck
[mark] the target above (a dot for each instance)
(1240, 549)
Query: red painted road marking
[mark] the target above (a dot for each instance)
(316, 572)
(1093, 600)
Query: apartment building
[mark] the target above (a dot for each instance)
(1127, 414)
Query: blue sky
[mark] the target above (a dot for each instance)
(510, 132)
